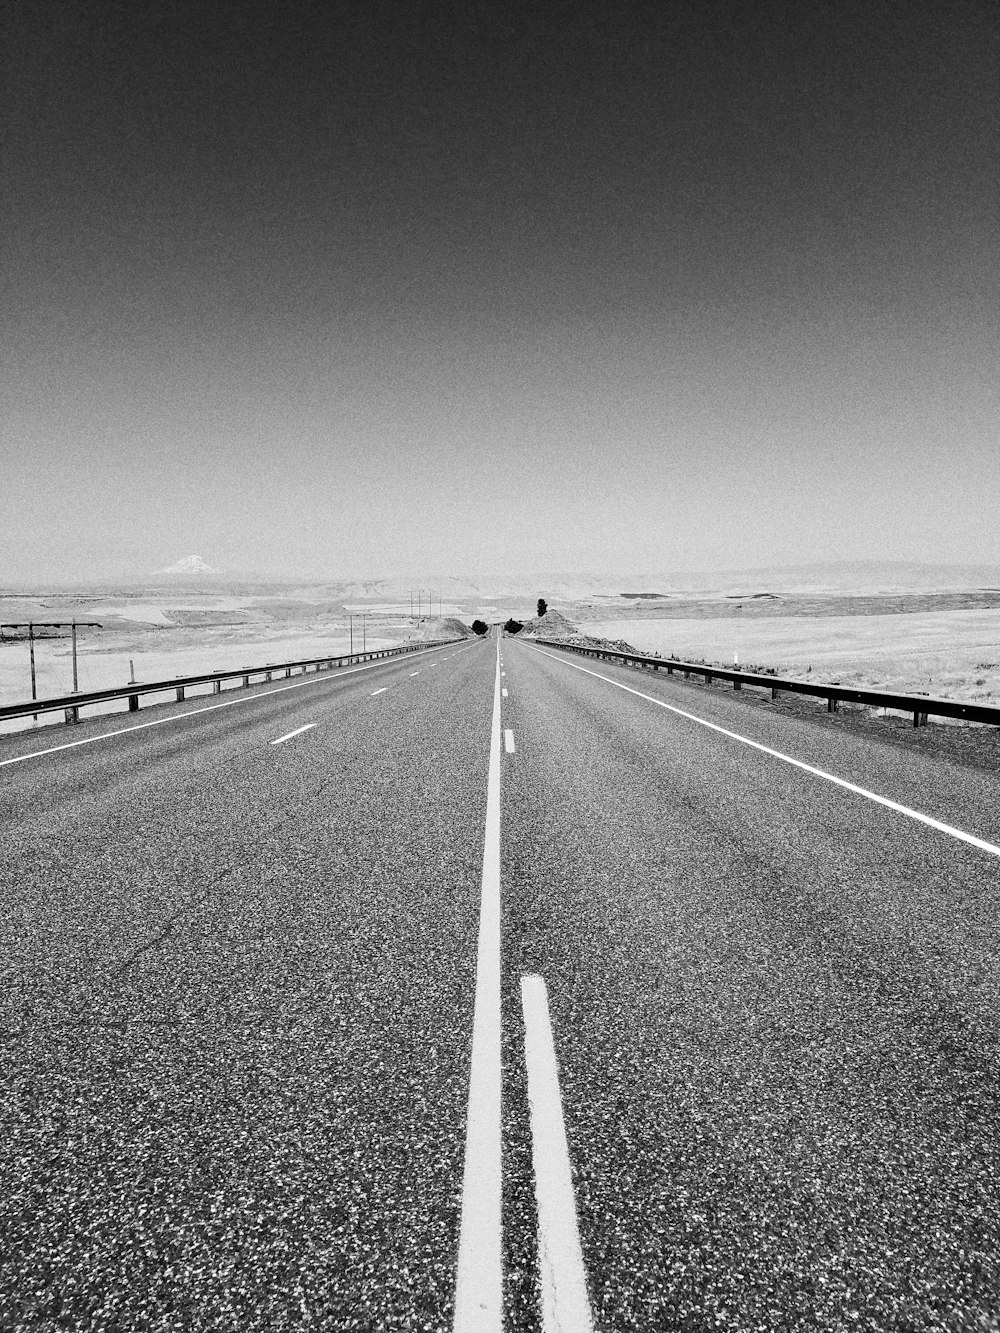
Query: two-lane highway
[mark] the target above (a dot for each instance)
(496, 993)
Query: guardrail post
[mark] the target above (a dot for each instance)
(774, 691)
(832, 704)
(216, 686)
(267, 675)
(920, 719)
(246, 682)
(737, 685)
(133, 703)
(180, 694)
(72, 715)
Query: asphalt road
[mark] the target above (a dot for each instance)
(239, 989)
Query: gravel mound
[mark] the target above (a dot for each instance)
(443, 627)
(553, 625)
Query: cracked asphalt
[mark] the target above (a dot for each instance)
(237, 1000)
(238, 983)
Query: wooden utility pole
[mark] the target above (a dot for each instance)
(31, 651)
(32, 625)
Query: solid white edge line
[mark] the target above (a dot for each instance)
(906, 810)
(317, 678)
(508, 741)
(297, 732)
(565, 1303)
(478, 1286)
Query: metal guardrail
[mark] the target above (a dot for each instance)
(71, 704)
(921, 706)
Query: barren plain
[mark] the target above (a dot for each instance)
(919, 643)
(163, 633)
(939, 641)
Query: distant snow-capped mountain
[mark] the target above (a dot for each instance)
(191, 564)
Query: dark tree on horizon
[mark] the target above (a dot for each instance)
(479, 627)
(543, 606)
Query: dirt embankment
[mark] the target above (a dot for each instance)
(554, 625)
(442, 627)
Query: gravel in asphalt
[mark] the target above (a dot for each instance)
(776, 1018)
(238, 996)
(236, 1017)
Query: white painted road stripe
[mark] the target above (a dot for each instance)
(381, 691)
(297, 732)
(414, 673)
(508, 741)
(504, 691)
(565, 1304)
(950, 829)
(314, 679)
(478, 1289)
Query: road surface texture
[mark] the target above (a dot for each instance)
(243, 960)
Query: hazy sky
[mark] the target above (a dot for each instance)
(341, 288)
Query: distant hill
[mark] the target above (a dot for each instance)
(778, 580)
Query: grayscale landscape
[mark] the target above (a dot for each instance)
(903, 627)
(499, 667)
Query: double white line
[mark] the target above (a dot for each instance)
(479, 1285)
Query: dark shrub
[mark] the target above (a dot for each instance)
(479, 627)
(513, 626)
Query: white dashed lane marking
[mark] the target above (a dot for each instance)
(508, 741)
(504, 692)
(297, 732)
(312, 679)
(381, 691)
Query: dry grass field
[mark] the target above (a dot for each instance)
(949, 653)
(944, 643)
(174, 633)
